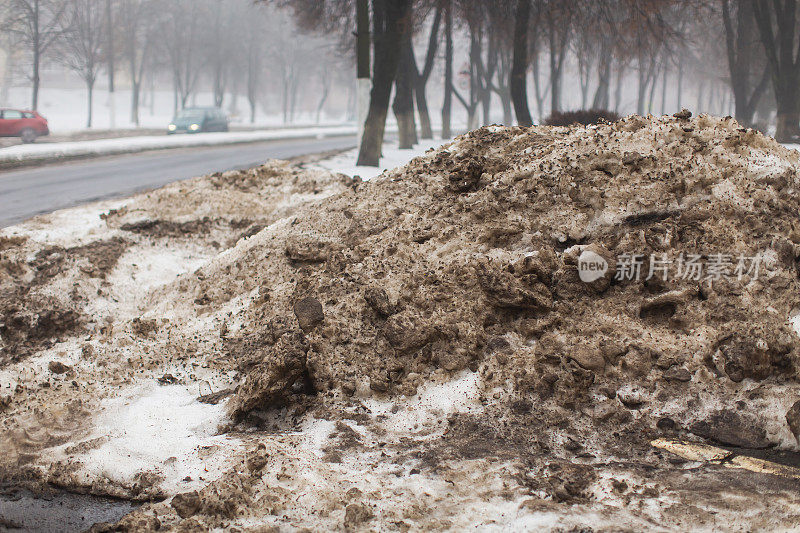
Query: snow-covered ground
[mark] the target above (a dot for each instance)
(393, 157)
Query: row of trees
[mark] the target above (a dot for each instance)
(232, 46)
(518, 52)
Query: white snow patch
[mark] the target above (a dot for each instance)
(393, 157)
(160, 429)
(67, 227)
(316, 433)
(432, 403)
(795, 322)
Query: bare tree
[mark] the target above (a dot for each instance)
(778, 28)
(390, 18)
(421, 77)
(519, 69)
(136, 36)
(501, 86)
(403, 105)
(472, 14)
(221, 48)
(255, 50)
(586, 54)
(447, 102)
(180, 42)
(744, 54)
(83, 44)
(289, 59)
(557, 17)
(36, 25)
(324, 74)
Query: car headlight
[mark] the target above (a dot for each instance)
(172, 127)
(194, 127)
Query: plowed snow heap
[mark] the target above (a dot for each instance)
(467, 258)
(497, 275)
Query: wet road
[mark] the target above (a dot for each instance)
(32, 191)
(55, 510)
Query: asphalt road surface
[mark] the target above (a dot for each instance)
(32, 191)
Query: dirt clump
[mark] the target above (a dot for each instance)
(32, 316)
(29, 322)
(95, 259)
(168, 228)
(273, 373)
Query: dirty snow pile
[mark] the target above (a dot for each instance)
(425, 350)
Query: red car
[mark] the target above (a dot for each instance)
(27, 125)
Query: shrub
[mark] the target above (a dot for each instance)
(581, 116)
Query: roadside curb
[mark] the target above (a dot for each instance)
(43, 154)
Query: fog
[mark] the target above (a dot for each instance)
(126, 63)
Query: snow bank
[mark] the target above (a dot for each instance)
(38, 152)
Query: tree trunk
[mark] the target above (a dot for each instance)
(557, 53)
(701, 87)
(555, 94)
(389, 19)
(35, 96)
(421, 78)
(403, 105)
(645, 77)
(112, 104)
(321, 103)
(447, 103)
(285, 100)
(788, 114)
(508, 110)
(711, 100)
(518, 81)
(426, 129)
(585, 64)
(618, 88)
(485, 78)
(152, 95)
(664, 91)
(90, 87)
(653, 82)
(37, 56)
(600, 100)
(475, 51)
(784, 65)
(739, 43)
(537, 86)
(486, 105)
(136, 91)
(361, 95)
(293, 99)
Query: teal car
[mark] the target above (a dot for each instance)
(198, 119)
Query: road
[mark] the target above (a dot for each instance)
(32, 191)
